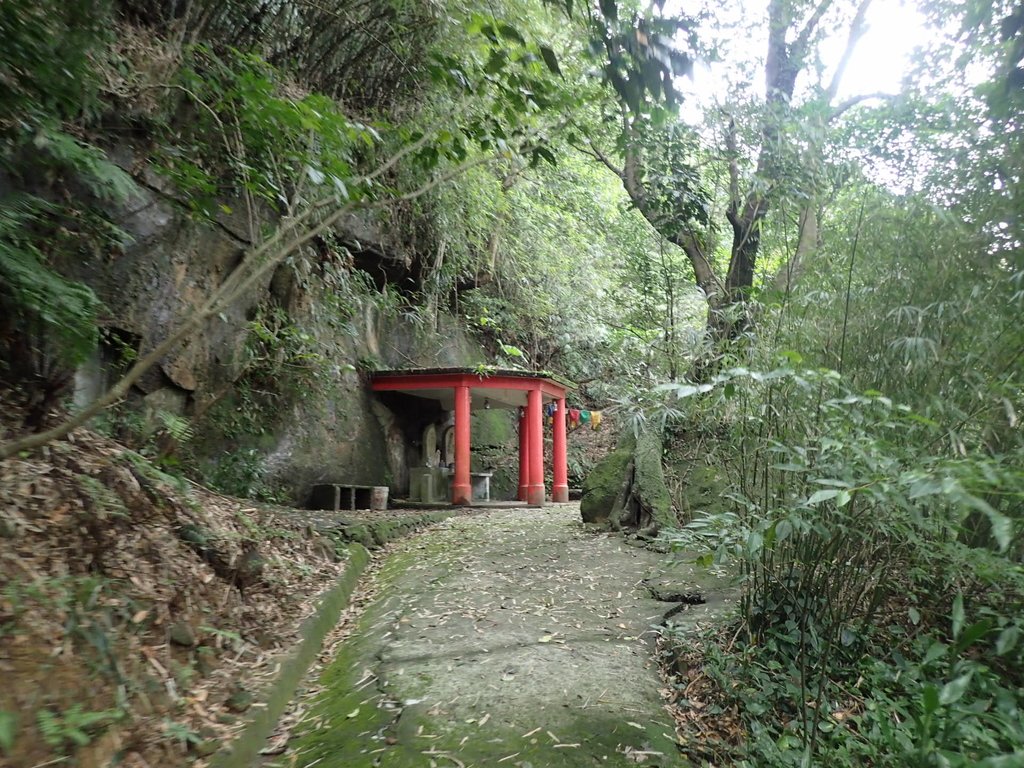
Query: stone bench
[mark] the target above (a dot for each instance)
(337, 497)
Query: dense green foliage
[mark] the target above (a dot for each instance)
(873, 464)
(857, 424)
(48, 85)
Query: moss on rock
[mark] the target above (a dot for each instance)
(650, 492)
(376, 533)
(245, 750)
(491, 429)
(627, 489)
(495, 447)
(604, 484)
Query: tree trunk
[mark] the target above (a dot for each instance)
(627, 489)
(807, 243)
(789, 46)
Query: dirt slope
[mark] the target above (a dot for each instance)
(138, 613)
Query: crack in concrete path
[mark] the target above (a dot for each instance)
(513, 637)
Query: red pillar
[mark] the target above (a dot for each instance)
(535, 416)
(560, 470)
(524, 455)
(462, 491)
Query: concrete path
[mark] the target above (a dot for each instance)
(512, 637)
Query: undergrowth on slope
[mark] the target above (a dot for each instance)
(128, 596)
(882, 592)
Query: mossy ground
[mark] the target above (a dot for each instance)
(512, 635)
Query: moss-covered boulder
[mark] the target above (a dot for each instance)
(627, 489)
(604, 485)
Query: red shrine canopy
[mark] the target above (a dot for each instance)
(464, 389)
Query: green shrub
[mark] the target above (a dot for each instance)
(855, 535)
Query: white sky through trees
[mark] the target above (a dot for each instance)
(879, 63)
(882, 56)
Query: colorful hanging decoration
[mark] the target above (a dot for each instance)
(576, 417)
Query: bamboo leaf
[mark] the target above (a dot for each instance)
(1007, 640)
(930, 699)
(954, 690)
(958, 615)
(824, 495)
(550, 59)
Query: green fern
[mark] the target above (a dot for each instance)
(74, 726)
(181, 732)
(35, 292)
(178, 427)
(89, 164)
(49, 727)
(104, 501)
(50, 49)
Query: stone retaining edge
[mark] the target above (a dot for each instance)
(376, 533)
(244, 750)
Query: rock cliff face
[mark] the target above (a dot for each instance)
(274, 388)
